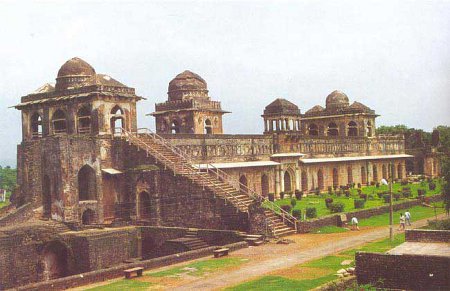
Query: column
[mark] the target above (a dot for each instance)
(277, 183)
(297, 178)
(265, 125)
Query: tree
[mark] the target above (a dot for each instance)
(446, 188)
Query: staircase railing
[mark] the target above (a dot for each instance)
(134, 138)
(223, 176)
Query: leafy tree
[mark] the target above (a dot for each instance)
(446, 188)
(8, 178)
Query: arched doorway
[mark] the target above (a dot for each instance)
(320, 183)
(409, 166)
(36, 125)
(335, 178)
(59, 122)
(84, 120)
(352, 129)
(304, 181)
(363, 175)
(54, 261)
(313, 130)
(264, 185)
(375, 173)
(332, 129)
(117, 119)
(287, 182)
(208, 126)
(46, 196)
(384, 171)
(175, 127)
(144, 205)
(87, 186)
(243, 184)
(349, 175)
(88, 217)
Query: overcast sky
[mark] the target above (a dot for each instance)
(393, 56)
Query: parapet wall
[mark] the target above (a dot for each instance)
(426, 235)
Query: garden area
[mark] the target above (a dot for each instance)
(355, 197)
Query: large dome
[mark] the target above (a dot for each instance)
(76, 67)
(337, 100)
(187, 83)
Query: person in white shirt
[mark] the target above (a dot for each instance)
(355, 223)
(408, 217)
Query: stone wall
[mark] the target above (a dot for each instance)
(410, 272)
(425, 235)
(21, 214)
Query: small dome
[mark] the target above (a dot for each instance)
(76, 67)
(187, 84)
(337, 100)
(282, 106)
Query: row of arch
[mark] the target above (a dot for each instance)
(59, 121)
(175, 127)
(333, 129)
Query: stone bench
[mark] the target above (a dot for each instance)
(138, 271)
(221, 252)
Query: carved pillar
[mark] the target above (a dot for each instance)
(277, 182)
(297, 178)
(265, 125)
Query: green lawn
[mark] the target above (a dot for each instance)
(318, 201)
(123, 285)
(325, 267)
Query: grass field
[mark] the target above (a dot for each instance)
(196, 269)
(314, 273)
(318, 201)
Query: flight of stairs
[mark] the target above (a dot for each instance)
(174, 160)
(190, 241)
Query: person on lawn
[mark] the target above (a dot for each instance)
(408, 218)
(402, 222)
(355, 223)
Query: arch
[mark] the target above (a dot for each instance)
(243, 183)
(369, 129)
(384, 172)
(363, 175)
(36, 125)
(208, 126)
(84, 120)
(375, 173)
(400, 171)
(287, 179)
(264, 185)
(349, 175)
(304, 181)
(46, 196)
(352, 129)
(88, 217)
(175, 127)
(410, 166)
(313, 130)
(117, 110)
(144, 205)
(59, 121)
(320, 183)
(335, 177)
(332, 129)
(87, 186)
(117, 119)
(54, 261)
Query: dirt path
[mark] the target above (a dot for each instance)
(271, 257)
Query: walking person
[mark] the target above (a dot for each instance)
(408, 218)
(402, 222)
(355, 223)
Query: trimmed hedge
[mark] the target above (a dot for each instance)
(337, 207)
(359, 203)
(297, 213)
(311, 212)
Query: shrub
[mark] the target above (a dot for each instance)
(298, 194)
(387, 198)
(396, 196)
(288, 194)
(359, 191)
(347, 193)
(404, 182)
(286, 208)
(381, 194)
(429, 180)
(377, 185)
(359, 185)
(406, 194)
(337, 207)
(406, 189)
(311, 212)
(363, 196)
(330, 190)
(317, 191)
(328, 201)
(421, 192)
(271, 197)
(339, 193)
(297, 213)
(370, 197)
(432, 186)
(335, 188)
(293, 202)
(359, 203)
(439, 224)
(281, 195)
(372, 183)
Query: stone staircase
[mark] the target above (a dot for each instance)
(190, 241)
(279, 222)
